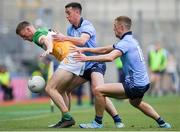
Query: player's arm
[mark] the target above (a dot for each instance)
(98, 50)
(102, 58)
(49, 46)
(79, 41)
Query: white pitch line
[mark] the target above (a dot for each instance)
(41, 116)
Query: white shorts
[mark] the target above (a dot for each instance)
(69, 64)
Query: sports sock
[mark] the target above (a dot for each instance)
(66, 116)
(160, 121)
(98, 119)
(116, 118)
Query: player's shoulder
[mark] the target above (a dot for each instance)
(42, 30)
(86, 22)
(39, 33)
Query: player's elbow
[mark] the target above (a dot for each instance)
(82, 42)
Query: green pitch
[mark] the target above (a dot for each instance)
(37, 116)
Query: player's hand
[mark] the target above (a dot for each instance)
(45, 53)
(80, 57)
(74, 48)
(59, 37)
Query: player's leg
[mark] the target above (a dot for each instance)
(98, 70)
(149, 111)
(117, 90)
(97, 79)
(95, 74)
(114, 90)
(76, 82)
(69, 64)
(66, 99)
(56, 88)
(135, 95)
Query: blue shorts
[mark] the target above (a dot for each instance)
(97, 67)
(135, 92)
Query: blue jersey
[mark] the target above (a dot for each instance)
(84, 27)
(133, 61)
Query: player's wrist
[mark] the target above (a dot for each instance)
(82, 50)
(88, 58)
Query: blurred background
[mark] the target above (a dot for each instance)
(154, 21)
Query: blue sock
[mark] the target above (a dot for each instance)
(98, 119)
(160, 121)
(116, 118)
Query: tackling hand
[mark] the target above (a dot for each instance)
(59, 37)
(74, 48)
(80, 57)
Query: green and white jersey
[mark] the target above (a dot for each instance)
(40, 32)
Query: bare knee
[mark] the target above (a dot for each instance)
(97, 91)
(49, 89)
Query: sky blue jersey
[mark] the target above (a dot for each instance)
(84, 27)
(134, 65)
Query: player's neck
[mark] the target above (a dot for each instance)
(34, 30)
(78, 22)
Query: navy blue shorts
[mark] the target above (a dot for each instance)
(135, 92)
(97, 67)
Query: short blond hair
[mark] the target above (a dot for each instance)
(21, 26)
(125, 20)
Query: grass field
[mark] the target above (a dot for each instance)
(37, 116)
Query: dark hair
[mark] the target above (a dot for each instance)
(74, 5)
(21, 26)
(126, 20)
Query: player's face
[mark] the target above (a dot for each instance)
(72, 15)
(117, 29)
(26, 34)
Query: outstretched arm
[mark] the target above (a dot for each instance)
(102, 58)
(98, 50)
(79, 41)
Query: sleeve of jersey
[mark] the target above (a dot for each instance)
(122, 46)
(88, 29)
(37, 35)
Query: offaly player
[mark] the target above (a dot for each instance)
(66, 73)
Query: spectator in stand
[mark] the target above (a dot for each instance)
(5, 82)
(157, 62)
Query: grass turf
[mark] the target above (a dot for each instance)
(37, 116)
